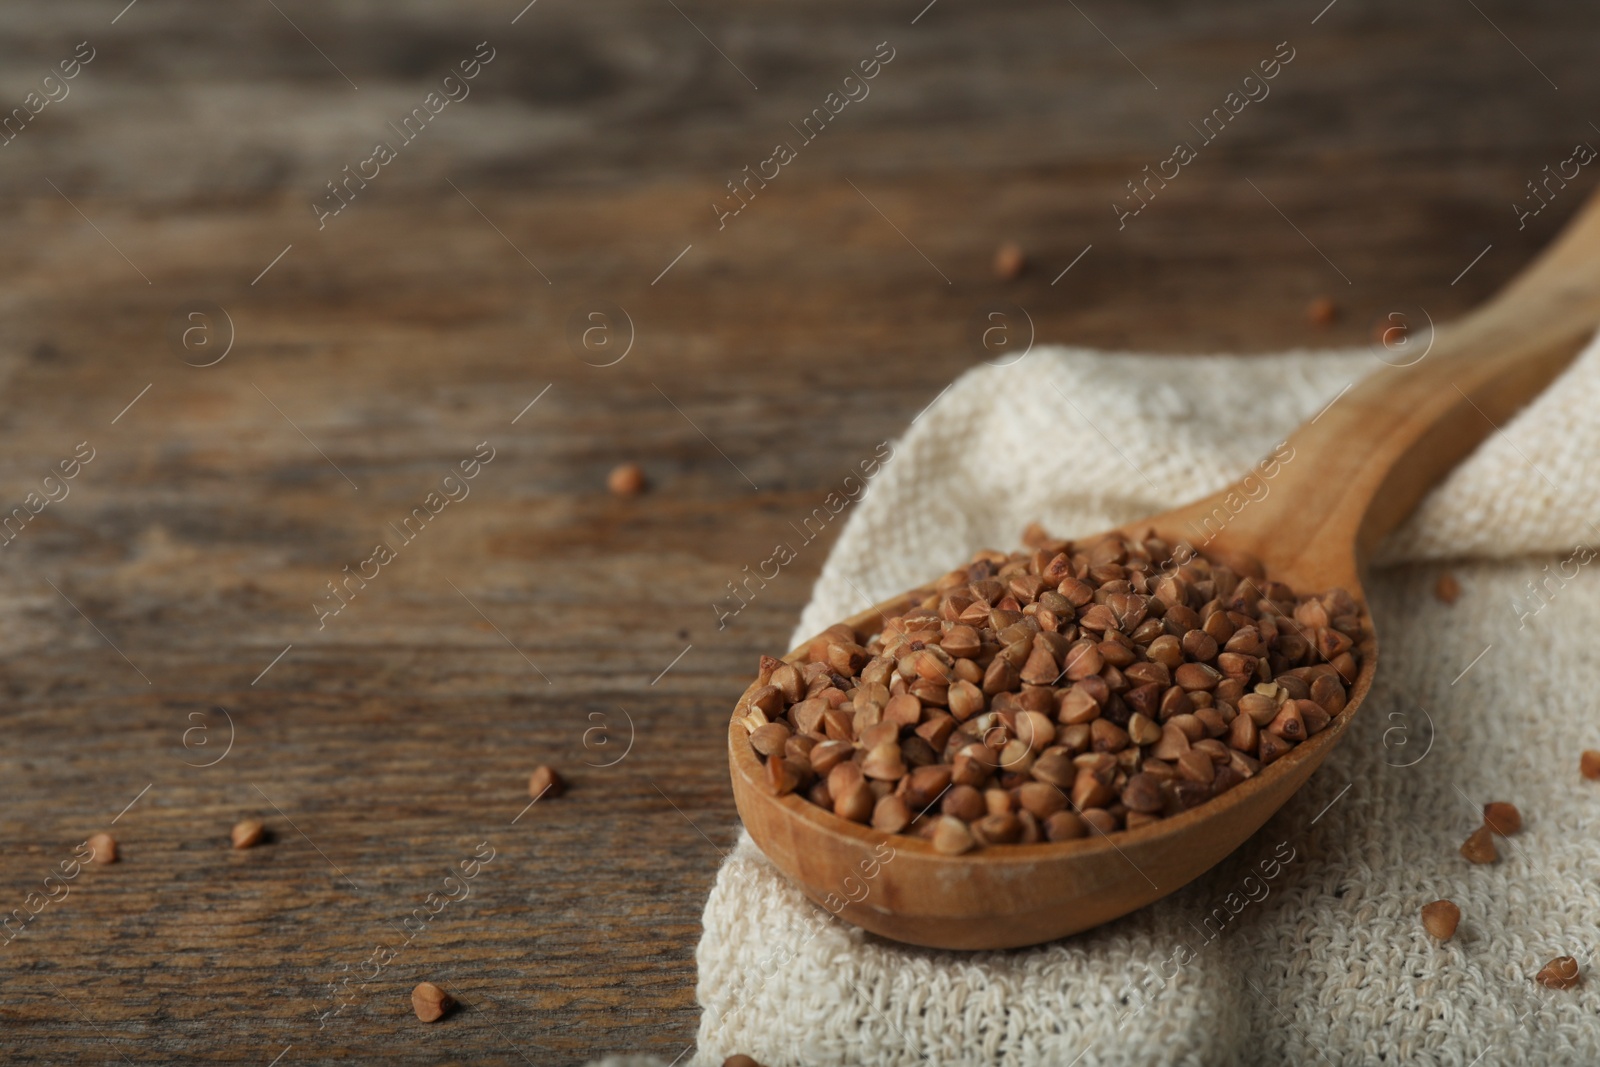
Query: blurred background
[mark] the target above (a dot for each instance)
(183, 646)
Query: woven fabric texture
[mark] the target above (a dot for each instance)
(1305, 946)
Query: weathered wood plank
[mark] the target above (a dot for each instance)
(408, 330)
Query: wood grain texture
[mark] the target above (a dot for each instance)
(1364, 463)
(767, 362)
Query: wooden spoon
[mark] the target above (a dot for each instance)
(1358, 470)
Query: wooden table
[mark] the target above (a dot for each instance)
(167, 603)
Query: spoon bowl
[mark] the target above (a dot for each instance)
(1353, 473)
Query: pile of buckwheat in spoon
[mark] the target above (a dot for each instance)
(1077, 686)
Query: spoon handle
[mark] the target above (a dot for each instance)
(1363, 464)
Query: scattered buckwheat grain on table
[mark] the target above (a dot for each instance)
(1038, 695)
(248, 833)
(545, 781)
(430, 1002)
(103, 848)
(1009, 261)
(627, 479)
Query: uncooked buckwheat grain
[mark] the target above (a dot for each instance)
(545, 782)
(626, 480)
(1504, 819)
(1441, 918)
(1479, 848)
(248, 833)
(103, 848)
(430, 1002)
(1067, 689)
(1559, 973)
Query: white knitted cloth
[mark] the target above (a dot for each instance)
(1314, 952)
